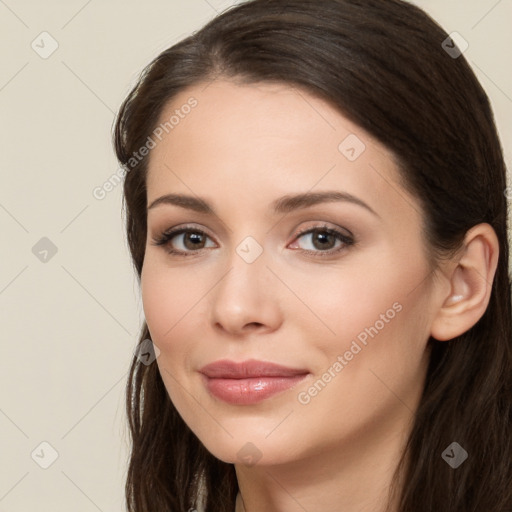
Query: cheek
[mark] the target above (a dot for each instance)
(167, 301)
(168, 310)
(376, 315)
(343, 304)
(156, 300)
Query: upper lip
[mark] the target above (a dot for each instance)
(225, 369)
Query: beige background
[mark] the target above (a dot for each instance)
(69, 325)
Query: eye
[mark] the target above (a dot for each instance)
(321, 240)
(193, 241)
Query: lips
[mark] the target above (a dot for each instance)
(248, 369)
(250, 381)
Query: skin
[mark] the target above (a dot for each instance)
(240, 148)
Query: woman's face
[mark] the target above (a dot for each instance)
(350, 312)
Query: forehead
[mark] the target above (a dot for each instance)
(266, 140)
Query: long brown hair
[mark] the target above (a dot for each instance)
(382, 64)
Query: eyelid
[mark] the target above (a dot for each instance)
(347, 240)
(324, 225)
(163, 237)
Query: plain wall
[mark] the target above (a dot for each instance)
(69, 324)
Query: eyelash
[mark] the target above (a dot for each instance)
(164, 238)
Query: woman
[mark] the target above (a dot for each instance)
(316, 211)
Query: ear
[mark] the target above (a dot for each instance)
(470, 282)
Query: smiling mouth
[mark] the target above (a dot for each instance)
(249, 382)
(251, 390)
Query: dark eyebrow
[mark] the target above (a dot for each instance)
(285, 204)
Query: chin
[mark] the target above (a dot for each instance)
(249, 449)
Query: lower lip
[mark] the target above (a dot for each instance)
(249, 391)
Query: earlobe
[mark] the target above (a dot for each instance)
(470, 284)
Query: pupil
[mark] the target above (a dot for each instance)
(194, 237)
(323, 236)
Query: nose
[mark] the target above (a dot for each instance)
(246, 299)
